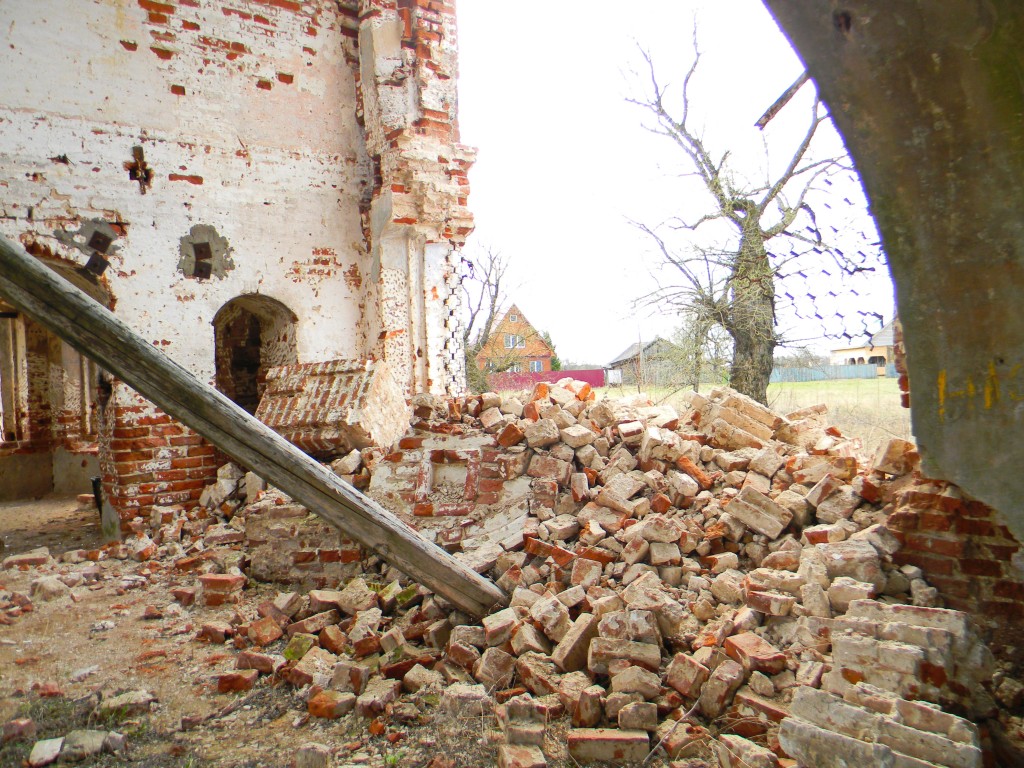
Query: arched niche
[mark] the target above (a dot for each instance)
(252, 334)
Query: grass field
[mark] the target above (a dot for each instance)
(868, 409)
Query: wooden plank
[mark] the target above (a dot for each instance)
(94, 331)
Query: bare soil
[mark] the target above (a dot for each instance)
(95, 643)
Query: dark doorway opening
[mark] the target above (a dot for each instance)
(252, 334)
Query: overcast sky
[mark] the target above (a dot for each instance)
(565, 163)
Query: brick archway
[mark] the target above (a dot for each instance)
(252, 334)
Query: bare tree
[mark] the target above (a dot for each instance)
(733, 286)
(484, 290)
(703, 351)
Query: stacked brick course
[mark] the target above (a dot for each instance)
(966, 552)
(150, 460)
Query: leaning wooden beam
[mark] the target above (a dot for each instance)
(94, 331)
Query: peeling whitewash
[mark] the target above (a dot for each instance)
(306, 152)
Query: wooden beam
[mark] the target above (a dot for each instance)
(94, 331)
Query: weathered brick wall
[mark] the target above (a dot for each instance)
(191, 152)
(417, 213)
(967, 553)
(963, 546)
(150, 460)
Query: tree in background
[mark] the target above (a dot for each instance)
(703, 352)
(556, 364)
(733, 284)
(483, 285)
(802, 357)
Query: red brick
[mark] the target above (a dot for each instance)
(1012, 590)
(930, 564)
(155, 7)
(974, 567)
(242, 680)
(931, 522)
(997, 610)
(939, 546)
(1002, 552)
(952, 587)
(224, 583)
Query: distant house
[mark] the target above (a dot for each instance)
(515, 346)
(878, 351)
(652, 362)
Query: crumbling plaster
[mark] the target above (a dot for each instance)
(315, 141)
(278, 173)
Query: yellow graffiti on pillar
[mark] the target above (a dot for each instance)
(991, 386)
(942, 395)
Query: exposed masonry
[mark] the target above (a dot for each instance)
(298, 153)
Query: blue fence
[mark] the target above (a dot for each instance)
(828, 372)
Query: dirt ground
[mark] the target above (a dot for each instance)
(96, 643)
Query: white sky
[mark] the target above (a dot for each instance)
(564, 162)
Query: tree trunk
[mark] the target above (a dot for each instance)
(752, 315)
(751, 364)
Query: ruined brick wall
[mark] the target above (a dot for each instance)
(967, 553)
(963, 546)
(193, 153)
(150, 460)
(417, 216)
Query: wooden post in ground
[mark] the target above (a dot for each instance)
(95, 332)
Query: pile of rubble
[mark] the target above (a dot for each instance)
(717, 583)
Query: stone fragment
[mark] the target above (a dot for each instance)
(355, 597)
(588, 745)
(529, 638)
(331, 704)
(845, 590)
(235, 682)
(45, 752)
(350, 675)
(48, 588)
(520, 756)
(420, 677)
(261, 662)
(495, 669)
(312, 755)
(586, 707)
(896, 457)
(723, 682)
(737, 752)
(264, 631)
(759, 512)
(553, 617)
(128, 703)
(378, 694)
(571, 652)
(542, 433)
(298, 646)
(682, 739)
(82, 744)
(755, 653)
(465, 700)
(637, 680)
(686, 675)
(603, 651)
(499, 626)
(638, 716)
(316, 666)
